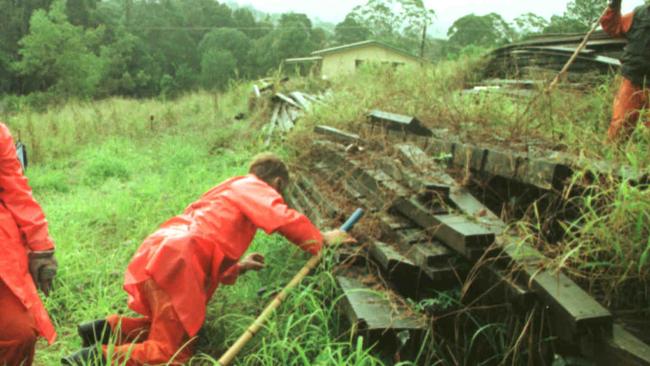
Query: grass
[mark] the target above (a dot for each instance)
(108, 173)
(107, 176)
(606, 241)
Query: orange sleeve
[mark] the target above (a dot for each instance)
(266, 208)
(16, 196)
(229, 276)
(615, 24)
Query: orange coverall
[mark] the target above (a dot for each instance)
(23, 228)
(631, 99)
(177, 269)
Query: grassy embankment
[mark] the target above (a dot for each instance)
(107, 176)
(607, 242)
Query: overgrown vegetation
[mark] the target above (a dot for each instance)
(106, 178)
(603, 221)
(108, 173)
(51, 50)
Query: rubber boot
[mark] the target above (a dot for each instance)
(88, 356)
(91, 333)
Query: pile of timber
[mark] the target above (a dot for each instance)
(431, 232)
(287, 109)
(550, 52)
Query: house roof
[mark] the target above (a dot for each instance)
(303, 59)
(364, 44)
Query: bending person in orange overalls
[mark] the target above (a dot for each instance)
(26, 248)
(633, 93)
(177, 269)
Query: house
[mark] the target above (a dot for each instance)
(343, 60)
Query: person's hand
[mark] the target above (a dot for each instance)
(615, 4)
(253, 261)
(43, 267)
(336, 237)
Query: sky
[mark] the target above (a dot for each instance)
(447, 11)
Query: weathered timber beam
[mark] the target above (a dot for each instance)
(460, 197)
(311, 188)
(432, 257)
(457, 232)
(309, 207)
(392, 261)
(398, 122)
(574, 312)
(492, 283)
(371, 310)
(622, 348)
(338, 135)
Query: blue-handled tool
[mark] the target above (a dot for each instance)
(352, 220)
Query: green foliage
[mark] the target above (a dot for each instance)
(217, 68)
(107, 177)
(398, 22)
(350, 30)
(529, 24)
(485, 30)
(227, 39)
(579, 16)
(58, 54)
(95, 49)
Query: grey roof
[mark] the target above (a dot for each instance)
(363, 44)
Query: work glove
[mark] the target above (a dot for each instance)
(253, 261)
(42, 267)
(615, 4)
(337, 237)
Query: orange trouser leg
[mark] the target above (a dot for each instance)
(163, 337)
(627, 105)
(129, 330)
(17, 330)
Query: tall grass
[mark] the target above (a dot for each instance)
(604, 245)
(107, 175)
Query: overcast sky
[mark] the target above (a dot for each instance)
(447, 10)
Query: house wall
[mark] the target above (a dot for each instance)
(345, 62)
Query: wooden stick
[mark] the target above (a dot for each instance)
(581, 47)
(257, 324)
(254, 328)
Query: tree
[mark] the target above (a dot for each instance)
(487, 31)
(217, 68)
(229, 39)
(350, 30)
(80, 12)
(529, 24)
(586, 12)
(399, 22)
(245, 21)
(58, 55)
(579, 16)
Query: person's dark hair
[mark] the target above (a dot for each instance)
(268, 166)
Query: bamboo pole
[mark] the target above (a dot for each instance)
(581, 47)
(266, 313)
(255, 327)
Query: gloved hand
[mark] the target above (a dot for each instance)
(615, 4)
(42, 267)
(254, 261)
(336, 237)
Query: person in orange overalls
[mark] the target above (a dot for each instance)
(177, 269)
(633, 94)
(26, 249)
